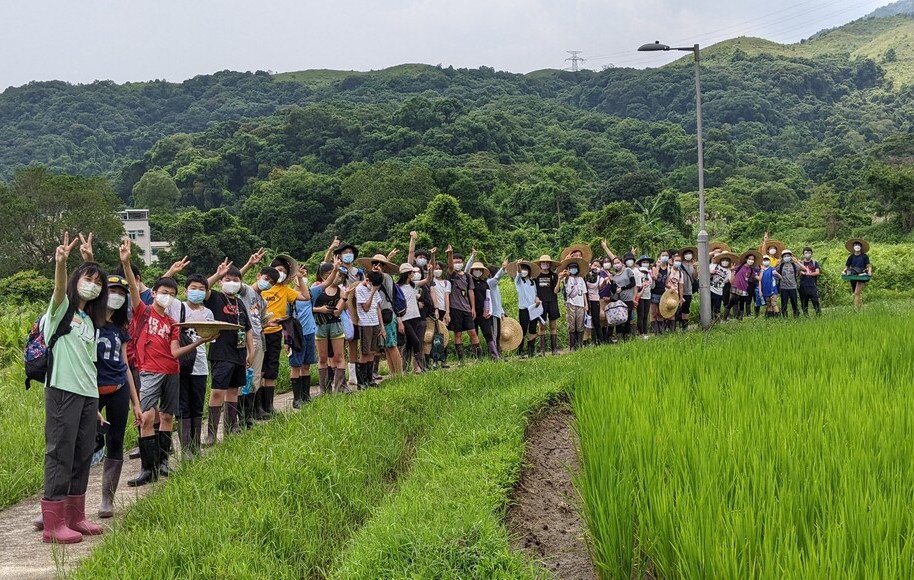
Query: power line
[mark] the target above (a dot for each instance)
(575, 59)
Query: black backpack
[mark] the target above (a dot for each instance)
(187, 360)
(38, 355)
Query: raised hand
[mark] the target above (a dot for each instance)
(66, 246)
(504, 263)
(124, 251)
(433, 250)
(449, 249)
(223, 268)
(257, 256)
(413, 235)
(85, 247)
(335, 243)
(179, 265)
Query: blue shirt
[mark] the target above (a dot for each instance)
(769, 285)
(112, 369)
(304, 311)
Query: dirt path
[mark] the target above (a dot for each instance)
(23, 554)
(544, 521)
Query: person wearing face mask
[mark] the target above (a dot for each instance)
(739, 285)
(592, 279)
(547, 289)
(418, 258)
(483, 306)
(328, 306)
(76, 308)
(660, 276)
(158, 350)
(858, 264)
(624, 282)
(353, 275)
(410, 282)
(643, 283)
(809, 282)
(195, 372)
(495, 274)
(668, 271)
(575, 298)
(251, 297)
(280, 299)
(524, 274)
(772, 250)
(720, 277)
(463, 303)
(788, 274)
(689, 285)
(768, 288)
(441, 300)
(749, 261)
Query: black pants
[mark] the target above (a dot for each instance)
(810, 294)
(644, 315)
(716, 301)
(484, 325)
(116, 407)
(496, 333)
(69, 437)
(414, 331)
(596, 331)
(193, 396)
(791, 297)
(683, 311)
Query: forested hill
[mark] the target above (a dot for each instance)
(799, 138)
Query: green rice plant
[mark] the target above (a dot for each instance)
(769, 449)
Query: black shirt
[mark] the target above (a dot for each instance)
(855, 261)
(545, 286)
(226, 346)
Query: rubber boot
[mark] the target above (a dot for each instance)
(521, 350)
(76, 517)
(305, 389)
(444, 364)
(296, 392)
(459, 349)
(246, 410)
(195, 424)
(554, 342)
(54, 516)
(149, 461)
(531, 347)
(353, 379)
(339, 380)
(420, 360)
(493, 350)
(573, 341)
(268, 393)
(360, 375)
(323, 379)
(212, 425)
(542, 345)
(111, 475)
(164, 452)
(184, 437)
(477, 351)
(260, 413)
(231, 418)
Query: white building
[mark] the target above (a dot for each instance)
(136, 225)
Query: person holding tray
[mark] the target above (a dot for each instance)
(857, 269)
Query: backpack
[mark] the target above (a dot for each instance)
(294, 333)
(188, 360)
(398, 301)
(38, 354)
(438, 354)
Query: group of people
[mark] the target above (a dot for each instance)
(118, 346)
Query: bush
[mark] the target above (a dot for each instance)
(25, 287)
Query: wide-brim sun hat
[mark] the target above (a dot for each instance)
(512, 335)
(581, 263)
(850, 245)
(669, 304)
(586, 252)
(343, 247)
(719, 246)
(692, 249)
(754, 253)
(479, 266)
(514, 267)
(292, 262)
(546, 258)
(386, 265)
(644, 257)
(407, 268)
(777, 244)
(430, 325)
(725, 255)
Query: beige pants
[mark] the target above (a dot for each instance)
(575, 316)
(257, 365)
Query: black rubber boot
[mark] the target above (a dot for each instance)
(260, 413)
(149, 462)
(231, 418)
(195, 424)
(110, 478)
(164, 452)
(296, 392)
(459, 349)
(531, 347)
(184, 437)
(305, 389)
(215, 413)
(477, 351)
(268, 393)
(554, 342)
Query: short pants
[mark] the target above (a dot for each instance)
(272, 349)
(307, 355)
(331, 331)
(462, 321)
(162, 392)
(390, 341)
(228, 375)
(368, 339)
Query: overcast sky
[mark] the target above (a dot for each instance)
(135, 40)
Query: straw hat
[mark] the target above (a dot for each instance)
(692, 249)
(547, 258)
(408, 268)
(430, 331)
(669, 304)
(479, 266)
(386, 264)
(728, 255)
(754, 253)
(719, 246)
(581, 262)
(514, 267)
(512, 335)
(850, 245)
(293, 264)
(208, 328)
(778, 245)
(586, 252)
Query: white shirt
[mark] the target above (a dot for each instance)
(440, 287)
(369, 318)
(643, 277)
(526, 292)
(201, 314)
(575, 291)
(412, 305)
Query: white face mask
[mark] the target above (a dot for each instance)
(115, 301)
(772, 251)
(766, 262)
(544, 266)
(677, 263)
(417, 276)
(421, 262)
(807, 255)
(629, 263)
(88, 290)
(664, 259)
(164, 300)
(688, 257)
(282, 278)
(231, 287)
(524, 273)
(607, 265)
(725, 263)
(458, 266)
(438, 273)
(477, 273)
(857, 248)
(788, 259)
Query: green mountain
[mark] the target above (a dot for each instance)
(803, 140)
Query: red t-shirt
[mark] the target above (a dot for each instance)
(153, 334)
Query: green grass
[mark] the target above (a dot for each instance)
(410, 479)
(769, 449)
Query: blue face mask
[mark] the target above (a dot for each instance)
(573, 271)
(264, 285)
(196, 296)
(347, 258)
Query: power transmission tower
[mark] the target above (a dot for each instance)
(575, 59)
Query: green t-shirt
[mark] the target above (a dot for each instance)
(74, 353)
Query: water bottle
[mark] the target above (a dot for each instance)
(249, 383)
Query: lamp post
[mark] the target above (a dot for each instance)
(704, 275)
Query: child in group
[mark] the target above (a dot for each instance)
(498, 310)
(575, 293)
(463, 304)
(251, 297)
(304, 311)
(371, 331)
(328, 307)
(547, 284)
(525, 284)
(768, 287)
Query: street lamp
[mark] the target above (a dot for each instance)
(704, 274)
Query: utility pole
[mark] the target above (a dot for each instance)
(575, 59)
